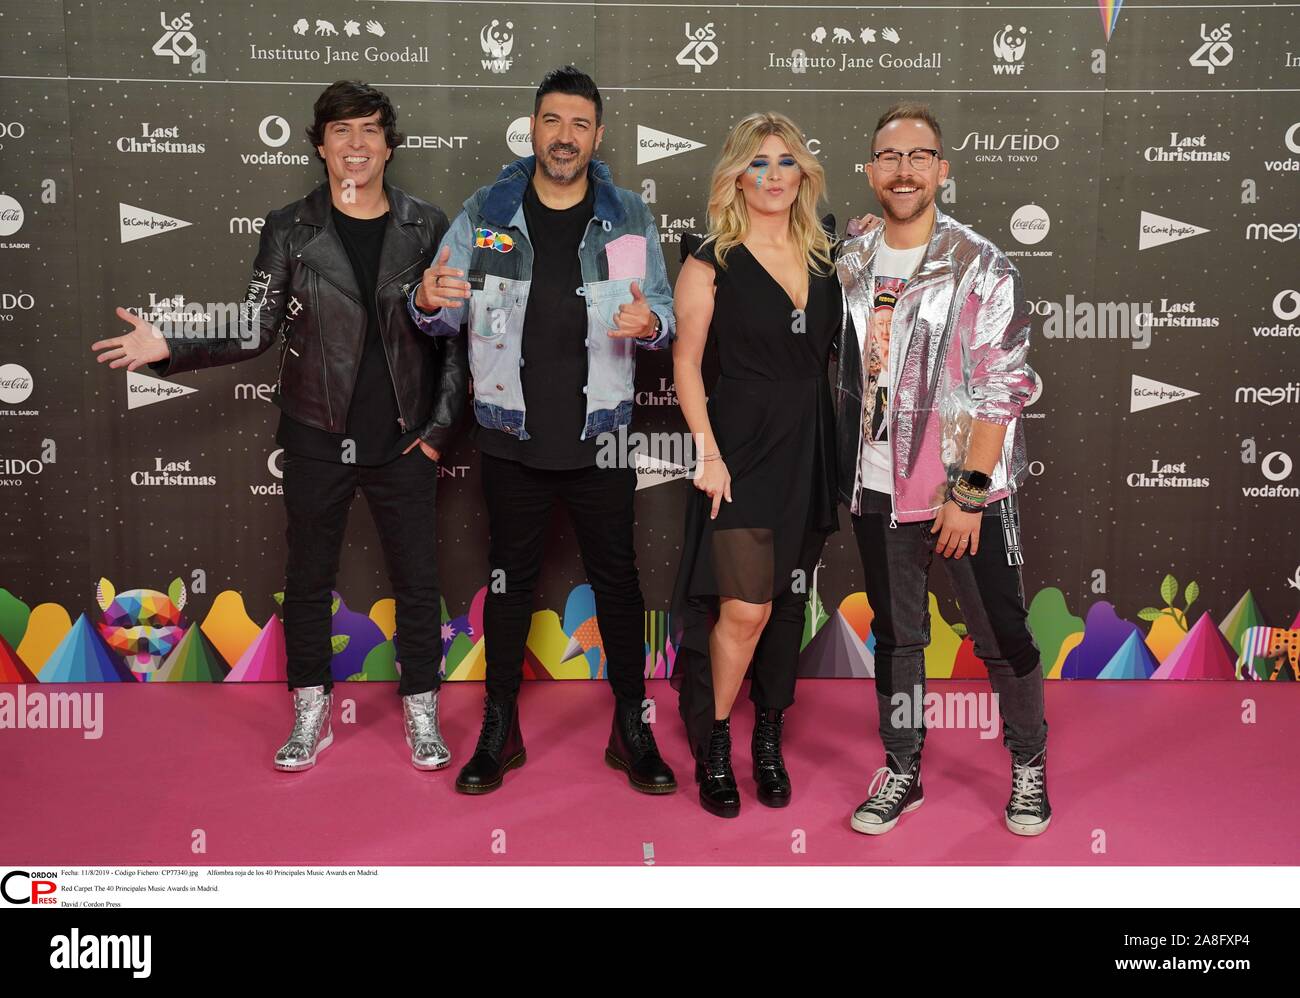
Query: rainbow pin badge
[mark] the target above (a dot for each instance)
(487, 239)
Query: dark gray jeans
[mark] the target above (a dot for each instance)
(896, 563)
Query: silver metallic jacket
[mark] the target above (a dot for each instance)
(959, 339)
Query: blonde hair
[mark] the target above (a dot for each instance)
(728, 214)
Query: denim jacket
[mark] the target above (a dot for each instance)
(489, 242)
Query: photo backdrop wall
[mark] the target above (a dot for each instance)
(1140, 164)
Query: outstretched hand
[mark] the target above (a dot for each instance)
(144, 344)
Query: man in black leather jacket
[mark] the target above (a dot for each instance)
(366, 401)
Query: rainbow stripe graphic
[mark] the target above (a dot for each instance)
(1109, 15)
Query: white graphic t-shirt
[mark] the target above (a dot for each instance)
(891, 271)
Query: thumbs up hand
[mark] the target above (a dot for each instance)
(634, 318)
(441, 286)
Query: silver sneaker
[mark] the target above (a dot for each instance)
(311, 732)
(428, 750)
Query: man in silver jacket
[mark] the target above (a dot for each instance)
(932, 376)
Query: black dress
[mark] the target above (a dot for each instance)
(772, 416)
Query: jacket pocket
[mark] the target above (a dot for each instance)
(497, 306)
(605, 297)
(611, 367)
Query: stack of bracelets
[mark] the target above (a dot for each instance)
(971, 491)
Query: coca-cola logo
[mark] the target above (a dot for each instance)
(1030, 224)
(11, 215)
(519, 137)
(15, 383)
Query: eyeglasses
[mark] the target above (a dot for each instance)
(889, 159)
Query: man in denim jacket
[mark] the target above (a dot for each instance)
(564, 279)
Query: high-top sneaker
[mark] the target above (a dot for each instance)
(500, 748)
(1028, 811)
(718, 792)
(632, 748)
(769, 766)
(423, 735)
(895, 789)
(312, 732)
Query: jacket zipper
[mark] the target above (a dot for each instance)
(401, 416)
(284, 356)
(586, 393)
(320, 336)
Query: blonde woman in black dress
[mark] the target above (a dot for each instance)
(761, 284)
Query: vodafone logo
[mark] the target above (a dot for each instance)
(1276, 466)
(1286, 305)
(273, 131)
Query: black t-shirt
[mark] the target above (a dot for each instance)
(554, 348)
(372, 421)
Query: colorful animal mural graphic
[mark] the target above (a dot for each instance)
(1273, 645)
(141, 625)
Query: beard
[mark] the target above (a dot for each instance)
(919, 207)
(563, 173)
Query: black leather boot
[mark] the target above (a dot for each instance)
(500, 748)
(769, 767)
(632, 748)
(718, 792)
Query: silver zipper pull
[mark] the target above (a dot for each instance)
(893, 521)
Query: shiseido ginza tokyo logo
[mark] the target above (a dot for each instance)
(1006, 147)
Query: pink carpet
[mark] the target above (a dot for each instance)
(1166, 770)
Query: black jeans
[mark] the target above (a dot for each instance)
(400, 494)
(519, 501)
(896, 563)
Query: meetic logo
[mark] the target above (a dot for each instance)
(1288, 393)
(1278, 232)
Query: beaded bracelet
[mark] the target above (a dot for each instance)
(967, 498)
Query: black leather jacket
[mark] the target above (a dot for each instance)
(304, 293)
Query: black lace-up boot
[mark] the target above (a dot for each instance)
(632, 748)
(718, 792)
(500, 748)
(769, 767)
